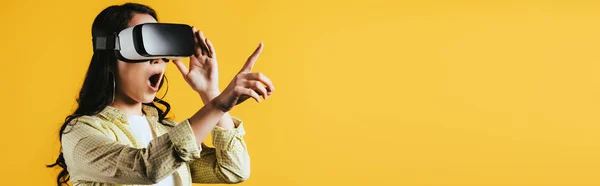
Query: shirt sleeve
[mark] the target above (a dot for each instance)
(93, 154)
(227, 162)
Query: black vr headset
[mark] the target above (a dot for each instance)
(144, 42)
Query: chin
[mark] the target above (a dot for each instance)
(148, 98)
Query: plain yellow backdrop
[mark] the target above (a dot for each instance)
(369, 92)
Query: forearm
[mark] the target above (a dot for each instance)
(226, 121)
(98, 157)
(204, 121)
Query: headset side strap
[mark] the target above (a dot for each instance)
(106, 43)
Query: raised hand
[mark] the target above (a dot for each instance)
(246, 84)
(203, 73)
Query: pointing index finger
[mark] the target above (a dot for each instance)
(252, 59)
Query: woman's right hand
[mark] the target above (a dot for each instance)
(245, 84)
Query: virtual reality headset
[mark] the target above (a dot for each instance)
(144, 42)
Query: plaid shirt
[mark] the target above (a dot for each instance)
(101, 150)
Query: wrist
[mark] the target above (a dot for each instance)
(215, 106)
(208, 95)
(219, 105)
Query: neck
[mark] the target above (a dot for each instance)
(128, 106)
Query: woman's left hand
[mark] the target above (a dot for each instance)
(203, 73)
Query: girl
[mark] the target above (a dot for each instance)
(119, 135)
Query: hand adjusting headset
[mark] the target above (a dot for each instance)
(144, 42)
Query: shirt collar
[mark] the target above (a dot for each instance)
(111, 113)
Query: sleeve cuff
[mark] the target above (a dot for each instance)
(184, 141)
(223, 138)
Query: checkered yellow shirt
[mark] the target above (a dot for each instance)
(101, 150)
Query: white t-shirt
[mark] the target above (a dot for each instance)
(141, 129)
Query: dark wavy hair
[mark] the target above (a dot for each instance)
(98, 89)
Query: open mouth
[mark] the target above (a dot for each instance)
(154, 80)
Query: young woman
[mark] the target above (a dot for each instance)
(119, 135)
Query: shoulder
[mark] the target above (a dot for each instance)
(86, 125)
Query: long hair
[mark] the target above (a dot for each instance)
(97, 91)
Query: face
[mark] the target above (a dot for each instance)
(138, 82)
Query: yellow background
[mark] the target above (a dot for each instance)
(369, 92)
